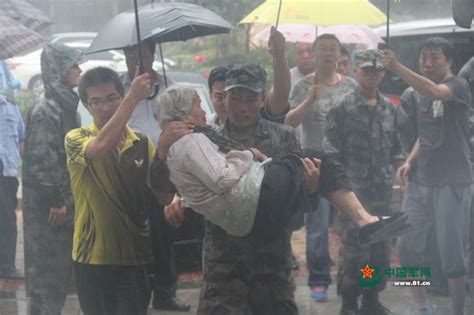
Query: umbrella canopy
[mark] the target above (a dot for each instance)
(161, 22)
(348, 34)
(25, 13)
(316, 12)
(16, 38)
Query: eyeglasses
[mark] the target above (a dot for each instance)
(111, 101)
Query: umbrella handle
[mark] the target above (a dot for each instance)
(137, 25)
(278, 16)
(155, 92)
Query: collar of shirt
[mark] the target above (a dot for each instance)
(262, 130)
(361, 101)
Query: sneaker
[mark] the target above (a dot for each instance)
(319, 294)
(423, 311)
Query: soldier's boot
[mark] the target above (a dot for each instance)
(349, 305)
(371, 305)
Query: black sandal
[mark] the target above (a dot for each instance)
(384, 229)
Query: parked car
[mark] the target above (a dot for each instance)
(27, 68)
(72, 37)
(89, 36)
(7, 83)
(406, 38)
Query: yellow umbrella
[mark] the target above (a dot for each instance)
(316, 12)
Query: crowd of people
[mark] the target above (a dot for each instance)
(100, 202)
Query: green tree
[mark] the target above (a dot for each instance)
(233, 12)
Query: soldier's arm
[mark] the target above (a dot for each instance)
(280, 91)
(347, 202)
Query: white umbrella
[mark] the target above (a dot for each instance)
(348, 34)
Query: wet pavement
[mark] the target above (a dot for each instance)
(14, 302)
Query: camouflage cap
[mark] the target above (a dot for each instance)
(251, 77)
(369, 58)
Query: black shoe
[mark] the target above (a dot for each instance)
(349, 311)
(349, 306)
(171, 304)
(372, 306)
(11, 273)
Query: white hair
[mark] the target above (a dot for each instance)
(175, 103)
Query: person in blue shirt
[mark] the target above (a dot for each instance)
(11, 143)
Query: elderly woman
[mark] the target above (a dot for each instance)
(240, 189)
(227, 188)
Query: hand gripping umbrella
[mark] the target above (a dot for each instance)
(160, 23)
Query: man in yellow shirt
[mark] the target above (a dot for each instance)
(109, 165)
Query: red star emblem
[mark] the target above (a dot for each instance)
(367, 272)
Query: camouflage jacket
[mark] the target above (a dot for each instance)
(227, 255)
(365, 141)
(44, 158)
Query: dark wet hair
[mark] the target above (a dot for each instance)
(439, 42)
(99, 76)
(146, 43)
(327, 37)
(344, 51)
(217, 74)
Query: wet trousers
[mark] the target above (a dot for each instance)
(112, 290)
(353, 257)
(164, 266)
(8, 204)
(48, 263)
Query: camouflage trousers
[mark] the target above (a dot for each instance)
(353, 257)
(48, 262)
(270, 294)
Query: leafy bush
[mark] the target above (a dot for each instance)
(24, 100)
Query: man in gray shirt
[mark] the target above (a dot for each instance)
(304, 61)
(311, 99)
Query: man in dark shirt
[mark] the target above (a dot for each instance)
(438, 193)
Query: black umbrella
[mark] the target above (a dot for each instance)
(25, 13)
(159, 22)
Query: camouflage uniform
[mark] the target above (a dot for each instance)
(246, 275)
(48, 263)
(364, 140)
